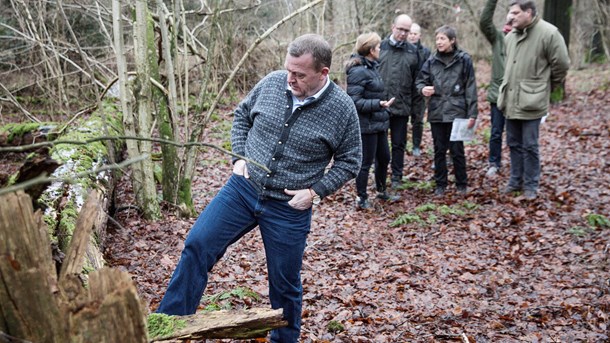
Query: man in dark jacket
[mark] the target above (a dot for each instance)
(399, 65)
(496, 39)
(419, 104)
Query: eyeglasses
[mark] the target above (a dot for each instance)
(401, 30)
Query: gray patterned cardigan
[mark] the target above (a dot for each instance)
(297, 147)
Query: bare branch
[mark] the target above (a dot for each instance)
(247, 54)
(155, 140)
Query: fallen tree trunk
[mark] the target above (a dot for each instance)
(252, 323)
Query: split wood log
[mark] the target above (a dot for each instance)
(241, 324)
(38, 307)
(34, 306)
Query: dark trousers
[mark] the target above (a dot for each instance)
(495, 140)
(375, 148)
(440, 135)
(522, 139)
(417, 122)
(398, 138)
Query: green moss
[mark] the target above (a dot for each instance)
(67, 224)
(426, 207)
(597, 220)
(335, 327)
(162, 325)
(224, 300)
(19, 129)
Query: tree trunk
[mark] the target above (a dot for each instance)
(143, 177)
(166, 113)
(558, 13)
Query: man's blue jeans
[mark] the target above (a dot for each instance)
(495, 140)
(522, 138)
(235, 211)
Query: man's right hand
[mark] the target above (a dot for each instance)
(240, 168)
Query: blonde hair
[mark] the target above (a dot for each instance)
(365, 42)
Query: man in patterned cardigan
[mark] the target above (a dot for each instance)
(293, 122)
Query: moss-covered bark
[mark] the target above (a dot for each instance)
(62, 202)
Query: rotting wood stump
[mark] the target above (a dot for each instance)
(38, 306)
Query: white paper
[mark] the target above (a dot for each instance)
(460, 130)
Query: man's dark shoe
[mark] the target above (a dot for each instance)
(530, 194)
(439, 191)
(395, 184)
(462, 190)
(416, 152)
(510, 190)
(387, 197)
(363, 204)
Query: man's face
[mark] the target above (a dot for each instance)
(520, 18)
(303, 78)
(401, 29)
(414, 36)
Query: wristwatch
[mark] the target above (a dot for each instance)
(315, 198)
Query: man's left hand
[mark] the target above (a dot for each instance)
(301, 199)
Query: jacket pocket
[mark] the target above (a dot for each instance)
(533, 95)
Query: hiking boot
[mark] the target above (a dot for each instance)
(492, 171)
(387, 197)
(416, 152)
(439, 191)
(363, 204)
(462, 190)
(530, 194)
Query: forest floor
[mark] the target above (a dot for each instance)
(486, 266)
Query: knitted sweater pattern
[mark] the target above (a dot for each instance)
(297, 147)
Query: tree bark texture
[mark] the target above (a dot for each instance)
(36, 306)
(146, 192)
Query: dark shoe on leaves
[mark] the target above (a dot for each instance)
(387, 197)
(530, 194)
(511, 189)
(416, 152)
(363, 204)
(395, 184)
(462, 190)
(439, 191)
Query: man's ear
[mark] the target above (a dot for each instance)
(325, 71)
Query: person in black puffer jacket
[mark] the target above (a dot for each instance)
(365, 87)
(448, 79)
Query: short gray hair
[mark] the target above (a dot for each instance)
(316, 46)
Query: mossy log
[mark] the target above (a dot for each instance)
(251, 323)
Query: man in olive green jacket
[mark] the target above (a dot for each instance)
(537, 61)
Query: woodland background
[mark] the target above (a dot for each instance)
(491, 267)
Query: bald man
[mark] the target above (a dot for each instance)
(399, 65)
